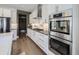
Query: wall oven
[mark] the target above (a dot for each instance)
(60, 34)
(60, 46)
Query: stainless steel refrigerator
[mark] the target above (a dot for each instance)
(4, 24)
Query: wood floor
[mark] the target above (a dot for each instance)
(25, 46)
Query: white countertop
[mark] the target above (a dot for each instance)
(7, 33)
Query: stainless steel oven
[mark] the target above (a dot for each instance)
(60, 34)
(60, 46)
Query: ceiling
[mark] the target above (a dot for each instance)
(25, 7)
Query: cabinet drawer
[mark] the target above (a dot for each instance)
(44, 38)
(42, 47)
(45, 45)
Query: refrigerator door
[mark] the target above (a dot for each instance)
(4, 24)
(7, 24)
(1, 25)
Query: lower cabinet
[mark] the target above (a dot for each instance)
(5, 44)
(14, 34)
(40, 39)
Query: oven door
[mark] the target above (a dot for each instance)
(59, 47)
(61, 25)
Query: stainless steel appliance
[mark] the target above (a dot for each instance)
(4, 24)
(60, 36)
(60, 25)
(60, 46)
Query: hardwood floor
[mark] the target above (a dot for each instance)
(25, 46)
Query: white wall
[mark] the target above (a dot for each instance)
(76, 29)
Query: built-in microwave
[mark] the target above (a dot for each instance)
(61, 25)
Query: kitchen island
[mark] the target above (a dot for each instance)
(5, 43)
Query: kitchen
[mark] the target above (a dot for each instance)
(52, 27)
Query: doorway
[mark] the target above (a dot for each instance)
(23, 21)
(22, 25)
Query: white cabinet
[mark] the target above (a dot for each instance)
(43, 39)
(5, 44)
(6, 12)
(28, 32)
(32, 16)
(62, 7)
(53, 8)
(45, 11)
(14, 34)
(40, 39)
(34, 13)
(0, 11)
(14, 16)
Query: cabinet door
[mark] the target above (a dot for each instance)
(45, 11)
(52, 8)
(6, 12)
(14, 16)
(28, 32)
(0, 12)
(14, 34)
(5, 45)
(62, 7)
(34, 13)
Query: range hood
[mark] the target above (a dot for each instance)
(39, 12)
(37, 18)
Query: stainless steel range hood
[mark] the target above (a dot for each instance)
(39, 12)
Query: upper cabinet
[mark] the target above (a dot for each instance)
(4, 12)
(0, 11)
(62, 7)
(54, 8)
(34, 14)
(14, 16)
(45, 11)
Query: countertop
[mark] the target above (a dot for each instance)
(39, 30)
(5, 33)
